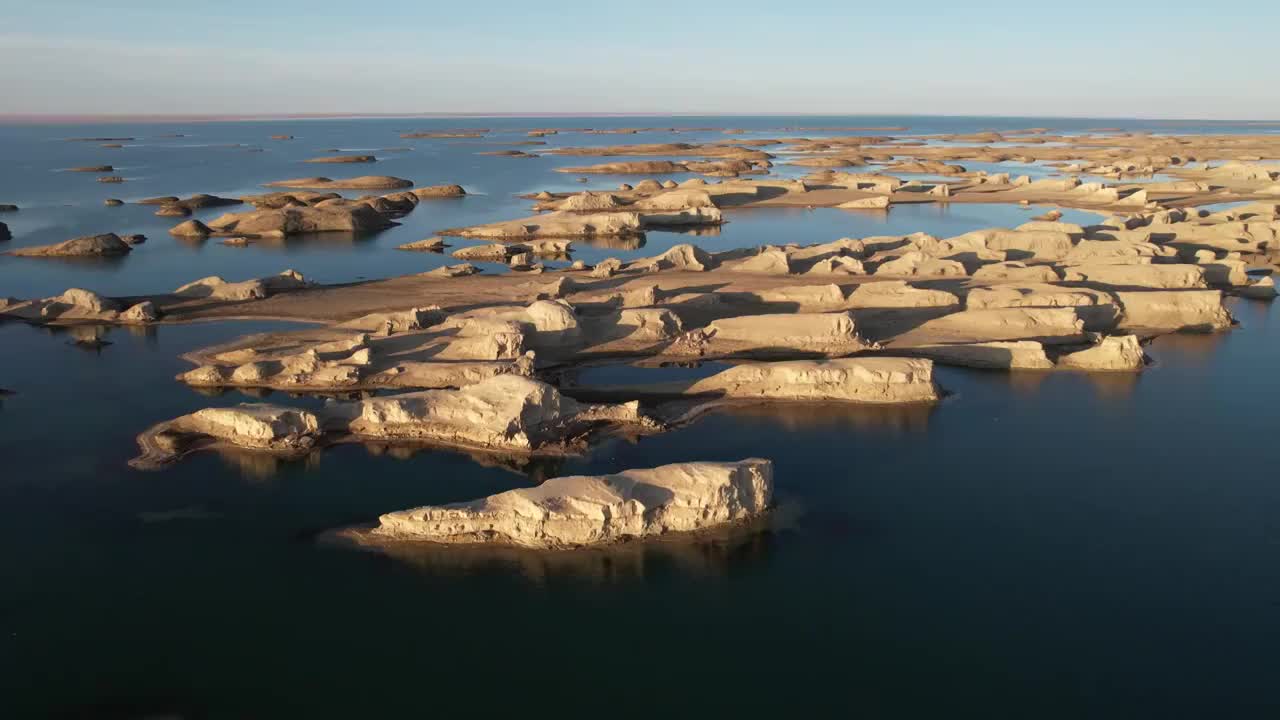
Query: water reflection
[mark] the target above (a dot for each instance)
(535, 469)
(263, 467)
(806, 417)
(260, 466)
(700, 555)
(1193, 349)
(630, 242)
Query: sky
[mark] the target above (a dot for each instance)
(1123, 58)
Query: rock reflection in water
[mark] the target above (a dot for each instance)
(629, 242)
(694, 555)
(536, 469)
(800, 417)
(1195, 350)
(1113, 386)
(261, 467)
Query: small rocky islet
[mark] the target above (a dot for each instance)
(478, 359)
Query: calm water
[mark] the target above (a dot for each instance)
(1037, 545)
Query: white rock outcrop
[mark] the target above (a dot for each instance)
(579, 510)
(865, 380)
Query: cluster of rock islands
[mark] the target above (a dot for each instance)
(487, 363)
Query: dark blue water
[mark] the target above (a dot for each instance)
(1050, 546)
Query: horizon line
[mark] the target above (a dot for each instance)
(75, 118)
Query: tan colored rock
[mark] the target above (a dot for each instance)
(391, 323)
(507, 412)
(557, 225)
(1113, 353)
(879, 202)
(269, 428)
(172, 211)
(1016, 272)
(493, 252)
(1017, 244)
(300, 220)
(688, 258)
(190, 229)
(1146, 276)
(454, 271)
(918, 264)
(864, 380)
(648, 324)
(676, 200)
(143, 312)
(1071, 229)
(1046, 325)
(431, 244)
(822, 333)
(439, 191)
(589, 202)
(837, 265)
(364, 182)
(578, 511)
(86, 300)
(1018, 355)
(1174, 310)
(769, 261)
(1093, 252)
(898, 294)
(216, 288)
(1035, 295)
(1262, 289)
(606, 268)
(105, 245)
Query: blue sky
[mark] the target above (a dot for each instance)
(1118, 59)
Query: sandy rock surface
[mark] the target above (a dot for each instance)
(577, 511)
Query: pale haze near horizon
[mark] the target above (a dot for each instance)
(1092, 59)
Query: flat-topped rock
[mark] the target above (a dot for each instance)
(1174, 310)
(1168, 277)
(364, 182)
(829, 334)
(439, 191)
(431, 244)
(1119, 353)
(864, 380)
(578, 511)
(996, 355)
(1050, 325)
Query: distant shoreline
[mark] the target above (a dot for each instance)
(143, 118)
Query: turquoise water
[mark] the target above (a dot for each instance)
(1049, 546)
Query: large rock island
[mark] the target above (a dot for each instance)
(569, 512)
